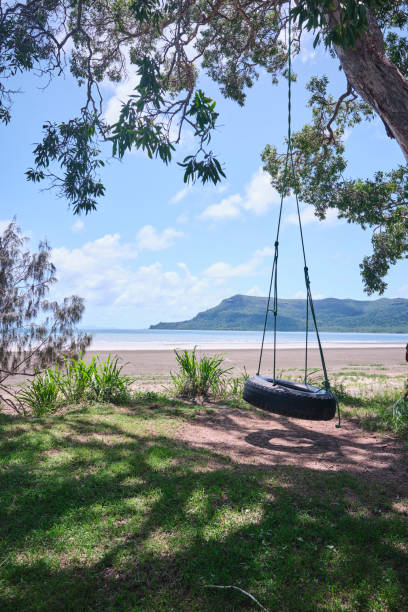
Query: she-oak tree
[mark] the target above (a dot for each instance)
(168, 42)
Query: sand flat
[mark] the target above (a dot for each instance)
(160, 362)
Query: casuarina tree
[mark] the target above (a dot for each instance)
(35, 332)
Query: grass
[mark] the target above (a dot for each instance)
(370, 398)
(103, 508)
(75, 382)
(198, 377)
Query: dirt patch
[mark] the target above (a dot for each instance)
(252, 439)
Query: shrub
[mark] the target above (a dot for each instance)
(107, 383)
(198, 377)
(100, 381)
(233, 388)
(41, 394)
(75, 381)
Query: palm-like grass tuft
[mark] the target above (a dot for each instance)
(199, 377)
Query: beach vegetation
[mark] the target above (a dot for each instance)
(199, 377)
(105, 507)
(75, 382)
(35, 332)
(376, 406)
(41, 395)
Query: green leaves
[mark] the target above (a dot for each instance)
(202, 109)
(72, 146)
(350, 17)
(147, 11)
(207, 169)
(379, 203)
(132, 131)
(137, 128)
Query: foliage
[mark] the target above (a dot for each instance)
(35, 332)
(72, 146)
(165, 44)
(74, 379)
(231, 388)
(41, 395)
(105, 508)
(379, 203)
(106, 383)
(77, 381)
(373, 398)
(198, 377)
(352, 20)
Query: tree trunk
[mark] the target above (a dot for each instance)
(376, 79)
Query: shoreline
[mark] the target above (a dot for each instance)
(149, 346)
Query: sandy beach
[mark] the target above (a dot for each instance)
(160, 362)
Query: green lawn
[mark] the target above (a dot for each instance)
(102, 509)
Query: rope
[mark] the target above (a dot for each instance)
(290, 166)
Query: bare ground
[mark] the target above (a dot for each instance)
(250, 438)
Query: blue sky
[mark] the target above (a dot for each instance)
(158, 251)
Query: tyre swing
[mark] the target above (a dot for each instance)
(284, 397)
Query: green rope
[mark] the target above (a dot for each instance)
(290, 166)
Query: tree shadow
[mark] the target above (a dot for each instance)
(250, 439)
(154, 521)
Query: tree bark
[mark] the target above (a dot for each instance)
(376, 79)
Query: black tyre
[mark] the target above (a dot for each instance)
(290, 399)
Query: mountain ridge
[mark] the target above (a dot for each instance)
(247, 313)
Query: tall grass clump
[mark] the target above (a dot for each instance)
(77, 381)
(74, 382)
(41, 395)
(198, 377)
(107, 383)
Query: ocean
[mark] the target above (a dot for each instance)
(152, 339)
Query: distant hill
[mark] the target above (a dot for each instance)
(245, 312)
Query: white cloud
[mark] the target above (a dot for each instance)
(78, 226)
(259, 194)
(257, 198)
(122, 91)
(116, 290)
(222, 270)
(95, 258)
(255, 290)
(149, 239)
(307, 216)
(180, 195)
(307, 52)
(104, 272)
(226, 209)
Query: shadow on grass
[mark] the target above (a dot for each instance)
(100, 512)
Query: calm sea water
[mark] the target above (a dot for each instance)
(143, 339)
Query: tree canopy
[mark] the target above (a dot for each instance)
(167, 43)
